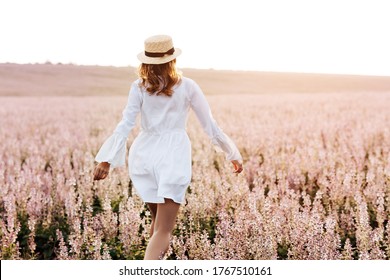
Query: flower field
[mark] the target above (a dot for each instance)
(315, 185)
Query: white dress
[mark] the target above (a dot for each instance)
(160, 156)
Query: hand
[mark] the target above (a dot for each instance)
(237, 166)
(101, 171)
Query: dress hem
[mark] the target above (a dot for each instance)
(162, 201)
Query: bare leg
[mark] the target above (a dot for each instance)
(153, 210)
(163, 226)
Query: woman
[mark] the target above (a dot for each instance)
(160, 156)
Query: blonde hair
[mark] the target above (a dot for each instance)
(159, 78)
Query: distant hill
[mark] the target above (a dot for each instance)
(75, 80)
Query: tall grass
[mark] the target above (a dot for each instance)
(315, 185)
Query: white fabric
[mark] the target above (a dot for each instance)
(160, 156)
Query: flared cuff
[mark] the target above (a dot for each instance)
(113, 151)
(222, 143)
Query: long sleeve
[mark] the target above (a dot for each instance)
(221, 142)
(114, 148)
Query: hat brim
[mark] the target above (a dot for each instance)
(158, 60)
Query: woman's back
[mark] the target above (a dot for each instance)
(161, 113)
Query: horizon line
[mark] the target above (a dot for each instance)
(48, 62)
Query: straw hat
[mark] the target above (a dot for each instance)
(158, 50)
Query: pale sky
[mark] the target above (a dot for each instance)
(323, 36)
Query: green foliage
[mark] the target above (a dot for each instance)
(97, 205)
(352, 239)
(372, 214)
(7, 253)
(115, 204)
(45, 236)
(23, 235)
(46, 239)
(216, 165)
(283, 251)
